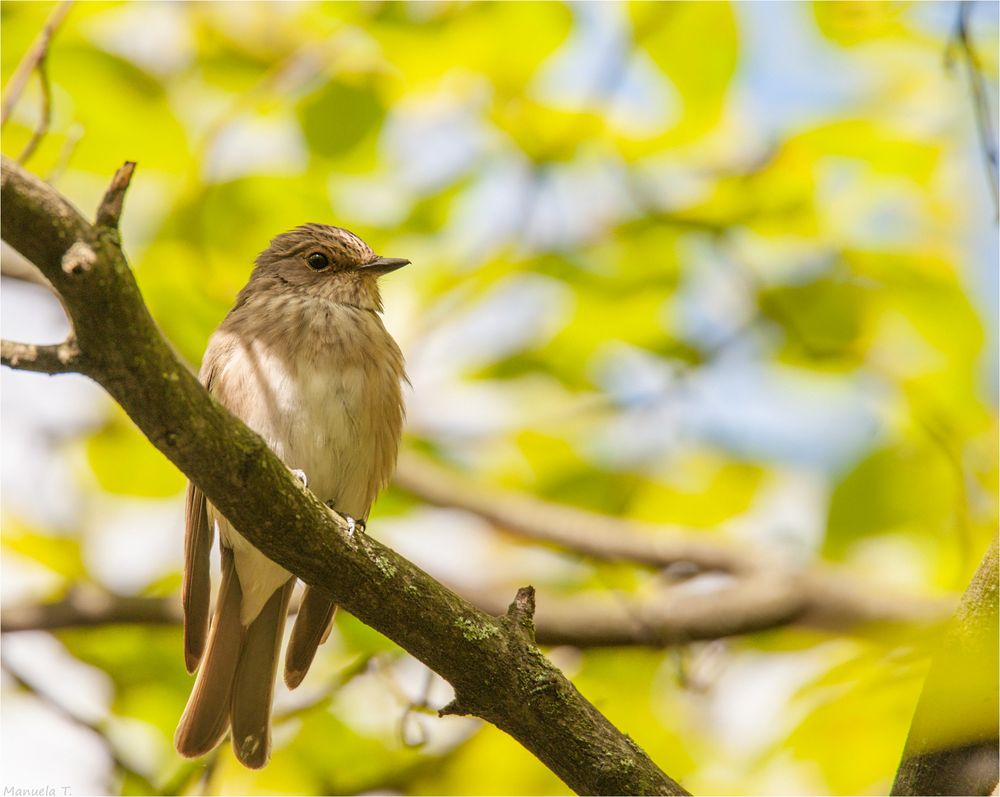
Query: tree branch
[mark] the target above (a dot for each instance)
(14, 266)
(980, 102)
(34, 60)
(84, 608)
(495, 668)
(671, 616)
(827, 597)
(34, 56)
(44, 120)
(952, 744)
(599, 536)
(61, 358)
(110, 210)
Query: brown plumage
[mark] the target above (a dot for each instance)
(304, 360)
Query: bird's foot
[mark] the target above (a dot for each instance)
(353, 526)
(301, 476)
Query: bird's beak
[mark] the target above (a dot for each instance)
(383, 265)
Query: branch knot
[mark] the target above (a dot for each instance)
(79, 258)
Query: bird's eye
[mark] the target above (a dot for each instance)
(318, 261)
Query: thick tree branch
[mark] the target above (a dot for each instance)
(952, 744)
(14, 266)
(494, 666)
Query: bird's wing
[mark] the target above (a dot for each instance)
(196, 589)
(196, 585)
(206, 717)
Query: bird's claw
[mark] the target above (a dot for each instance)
(352, 524)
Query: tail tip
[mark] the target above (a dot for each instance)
(294, 676)
(254, 751)
(188, 747)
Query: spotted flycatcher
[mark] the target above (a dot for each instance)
(304, 360)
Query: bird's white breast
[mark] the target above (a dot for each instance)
(328, 404)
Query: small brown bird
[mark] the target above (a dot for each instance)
(304, 360)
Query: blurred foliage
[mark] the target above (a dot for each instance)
(722, 266)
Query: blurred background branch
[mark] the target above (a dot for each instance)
(978, 85)
(670, 616)
(34, 61)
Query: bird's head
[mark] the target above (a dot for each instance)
(326, 262)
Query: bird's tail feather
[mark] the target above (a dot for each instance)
(253, 687)
(235, 682)
(206, 717)
(311, 628)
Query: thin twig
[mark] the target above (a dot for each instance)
(35, 56)
(46, 116)
(981, 103)
(110, 210)
(211, 764)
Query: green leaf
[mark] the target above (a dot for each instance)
(823, 320)
(131, 654)
(478, 762)
(355, 763)
(865, 703)
(338, 116)
(360, 638)
(852, 22)
(701, 491)
(123, 111)
(61, 555)
(906, 487)
(478, 39)
(675, 36)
